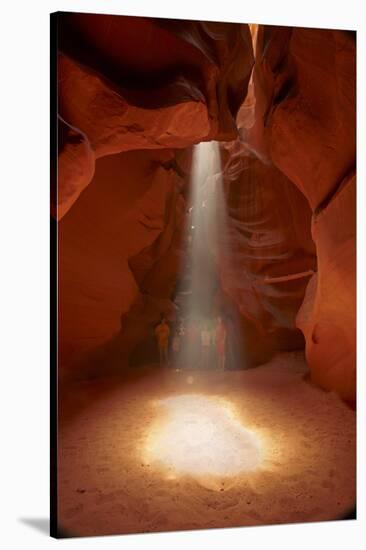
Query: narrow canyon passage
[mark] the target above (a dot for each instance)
(122, 466)
(205, 209)
(194, 442)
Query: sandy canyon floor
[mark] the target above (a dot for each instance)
(160, 450)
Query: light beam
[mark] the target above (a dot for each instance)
(201, 436)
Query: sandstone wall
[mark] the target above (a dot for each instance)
(134, 95)
(300, 115)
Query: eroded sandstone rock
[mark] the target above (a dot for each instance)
(136, 94)
(267, 254)
(300, 114)
(300, 110)
(131, 83)
(327, 316)
(132, 205)
(76, 164)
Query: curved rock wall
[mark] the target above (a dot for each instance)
(144, 91)
(134, 95)
(266, 256)
(127, 83)
(132, 205)
(328, 314)
(300, 115)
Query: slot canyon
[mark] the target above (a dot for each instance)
(205, 177)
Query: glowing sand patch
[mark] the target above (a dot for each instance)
(201, 436)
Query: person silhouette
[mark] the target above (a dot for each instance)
(221, 343)
(162, 332)
(205, 346)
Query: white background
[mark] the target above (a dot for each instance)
(24, 269)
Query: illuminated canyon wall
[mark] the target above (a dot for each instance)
(300, 114)
(143, 91)
(135, 95)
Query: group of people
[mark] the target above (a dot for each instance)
(192, 343)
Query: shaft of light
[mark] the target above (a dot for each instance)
(201, 436)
